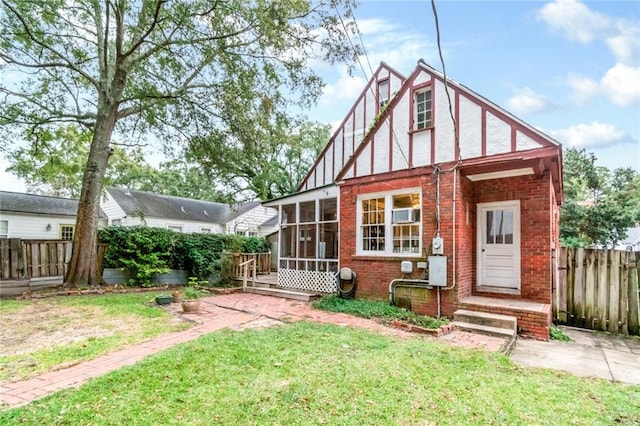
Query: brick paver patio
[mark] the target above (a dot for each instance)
(236, 311)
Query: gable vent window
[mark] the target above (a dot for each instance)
(66, 232)
(383, 93)
(423, 109)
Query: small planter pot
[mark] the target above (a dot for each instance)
(191, 305)
(164, 299)
(177, 296)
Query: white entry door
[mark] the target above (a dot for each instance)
(499, 245)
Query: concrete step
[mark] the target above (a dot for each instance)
(486, 319)
(284, 293)
(485, 329)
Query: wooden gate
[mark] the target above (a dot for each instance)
(598, 289)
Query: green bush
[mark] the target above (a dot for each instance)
(143, 251)
(376, 309)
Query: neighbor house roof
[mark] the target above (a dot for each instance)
(633, 236)
(17, 202)
(170, 207)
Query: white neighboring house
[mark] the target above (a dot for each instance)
(38, 217)
(632, 242)
(126, 207)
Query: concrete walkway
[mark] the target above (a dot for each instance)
(236, 311)
(589, 354)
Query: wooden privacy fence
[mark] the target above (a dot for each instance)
(27, 265)
(598, 289)
(263, 263)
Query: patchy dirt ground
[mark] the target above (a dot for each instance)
(44, 324)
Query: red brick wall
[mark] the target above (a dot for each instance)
(536, 229)
(537, 221)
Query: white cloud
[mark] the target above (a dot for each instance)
(575, 20)
(625, 43)
(622, 85)
(589, 135)
(527, 101)
(345, 88)
(584, 88)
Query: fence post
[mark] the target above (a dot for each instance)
(633, 271)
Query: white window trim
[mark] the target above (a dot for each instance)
(388, 244)
(415, 109)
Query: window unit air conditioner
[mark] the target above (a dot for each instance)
(405, 215)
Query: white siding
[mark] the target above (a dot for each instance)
(363, 164)
(422, 148)
(381, 149)
(34, 227)
(445, 135)
(188, 226)
(251, 221)
(470, 129)
(111, 208)
(524, 142)
(498, 135)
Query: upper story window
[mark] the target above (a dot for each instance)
(116, 222)
(4, 228)
(390, 224)
(383, 92)
(174, 228)
(205, 230)
(66, 232)
(423, 109)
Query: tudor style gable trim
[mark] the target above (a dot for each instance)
(374, 97)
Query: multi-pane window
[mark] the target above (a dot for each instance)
(373, 227)
(383, 92)
(66, 232)
(390, 224)
(405, 219)
(423, 109)
(499, 226)
(4, 228)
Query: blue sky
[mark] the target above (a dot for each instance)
(569, 68)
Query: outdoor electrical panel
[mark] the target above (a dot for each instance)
(437, 246)
(438, 271)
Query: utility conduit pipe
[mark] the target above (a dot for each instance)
(407, 283)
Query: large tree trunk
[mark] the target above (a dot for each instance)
(82, 269)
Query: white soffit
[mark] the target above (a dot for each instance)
(501, 174)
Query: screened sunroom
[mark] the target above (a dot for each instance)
(308, 240)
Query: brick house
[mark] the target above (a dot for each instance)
(471, 208)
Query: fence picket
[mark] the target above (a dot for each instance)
(578, 290)
(602, 291)
(634, 309)
(561, 287)
(590, 287)
(624, 292)
(614, 291)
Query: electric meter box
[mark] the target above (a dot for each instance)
(438, 271)
(437, 246)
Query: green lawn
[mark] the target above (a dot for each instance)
(42, 334)
(307, 373)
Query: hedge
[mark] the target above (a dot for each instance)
(143, 251)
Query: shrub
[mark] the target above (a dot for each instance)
(143, 251)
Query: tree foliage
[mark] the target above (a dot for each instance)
(266, 163)
(177, 68)
(600, 205)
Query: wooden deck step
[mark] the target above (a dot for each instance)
(284, 293)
